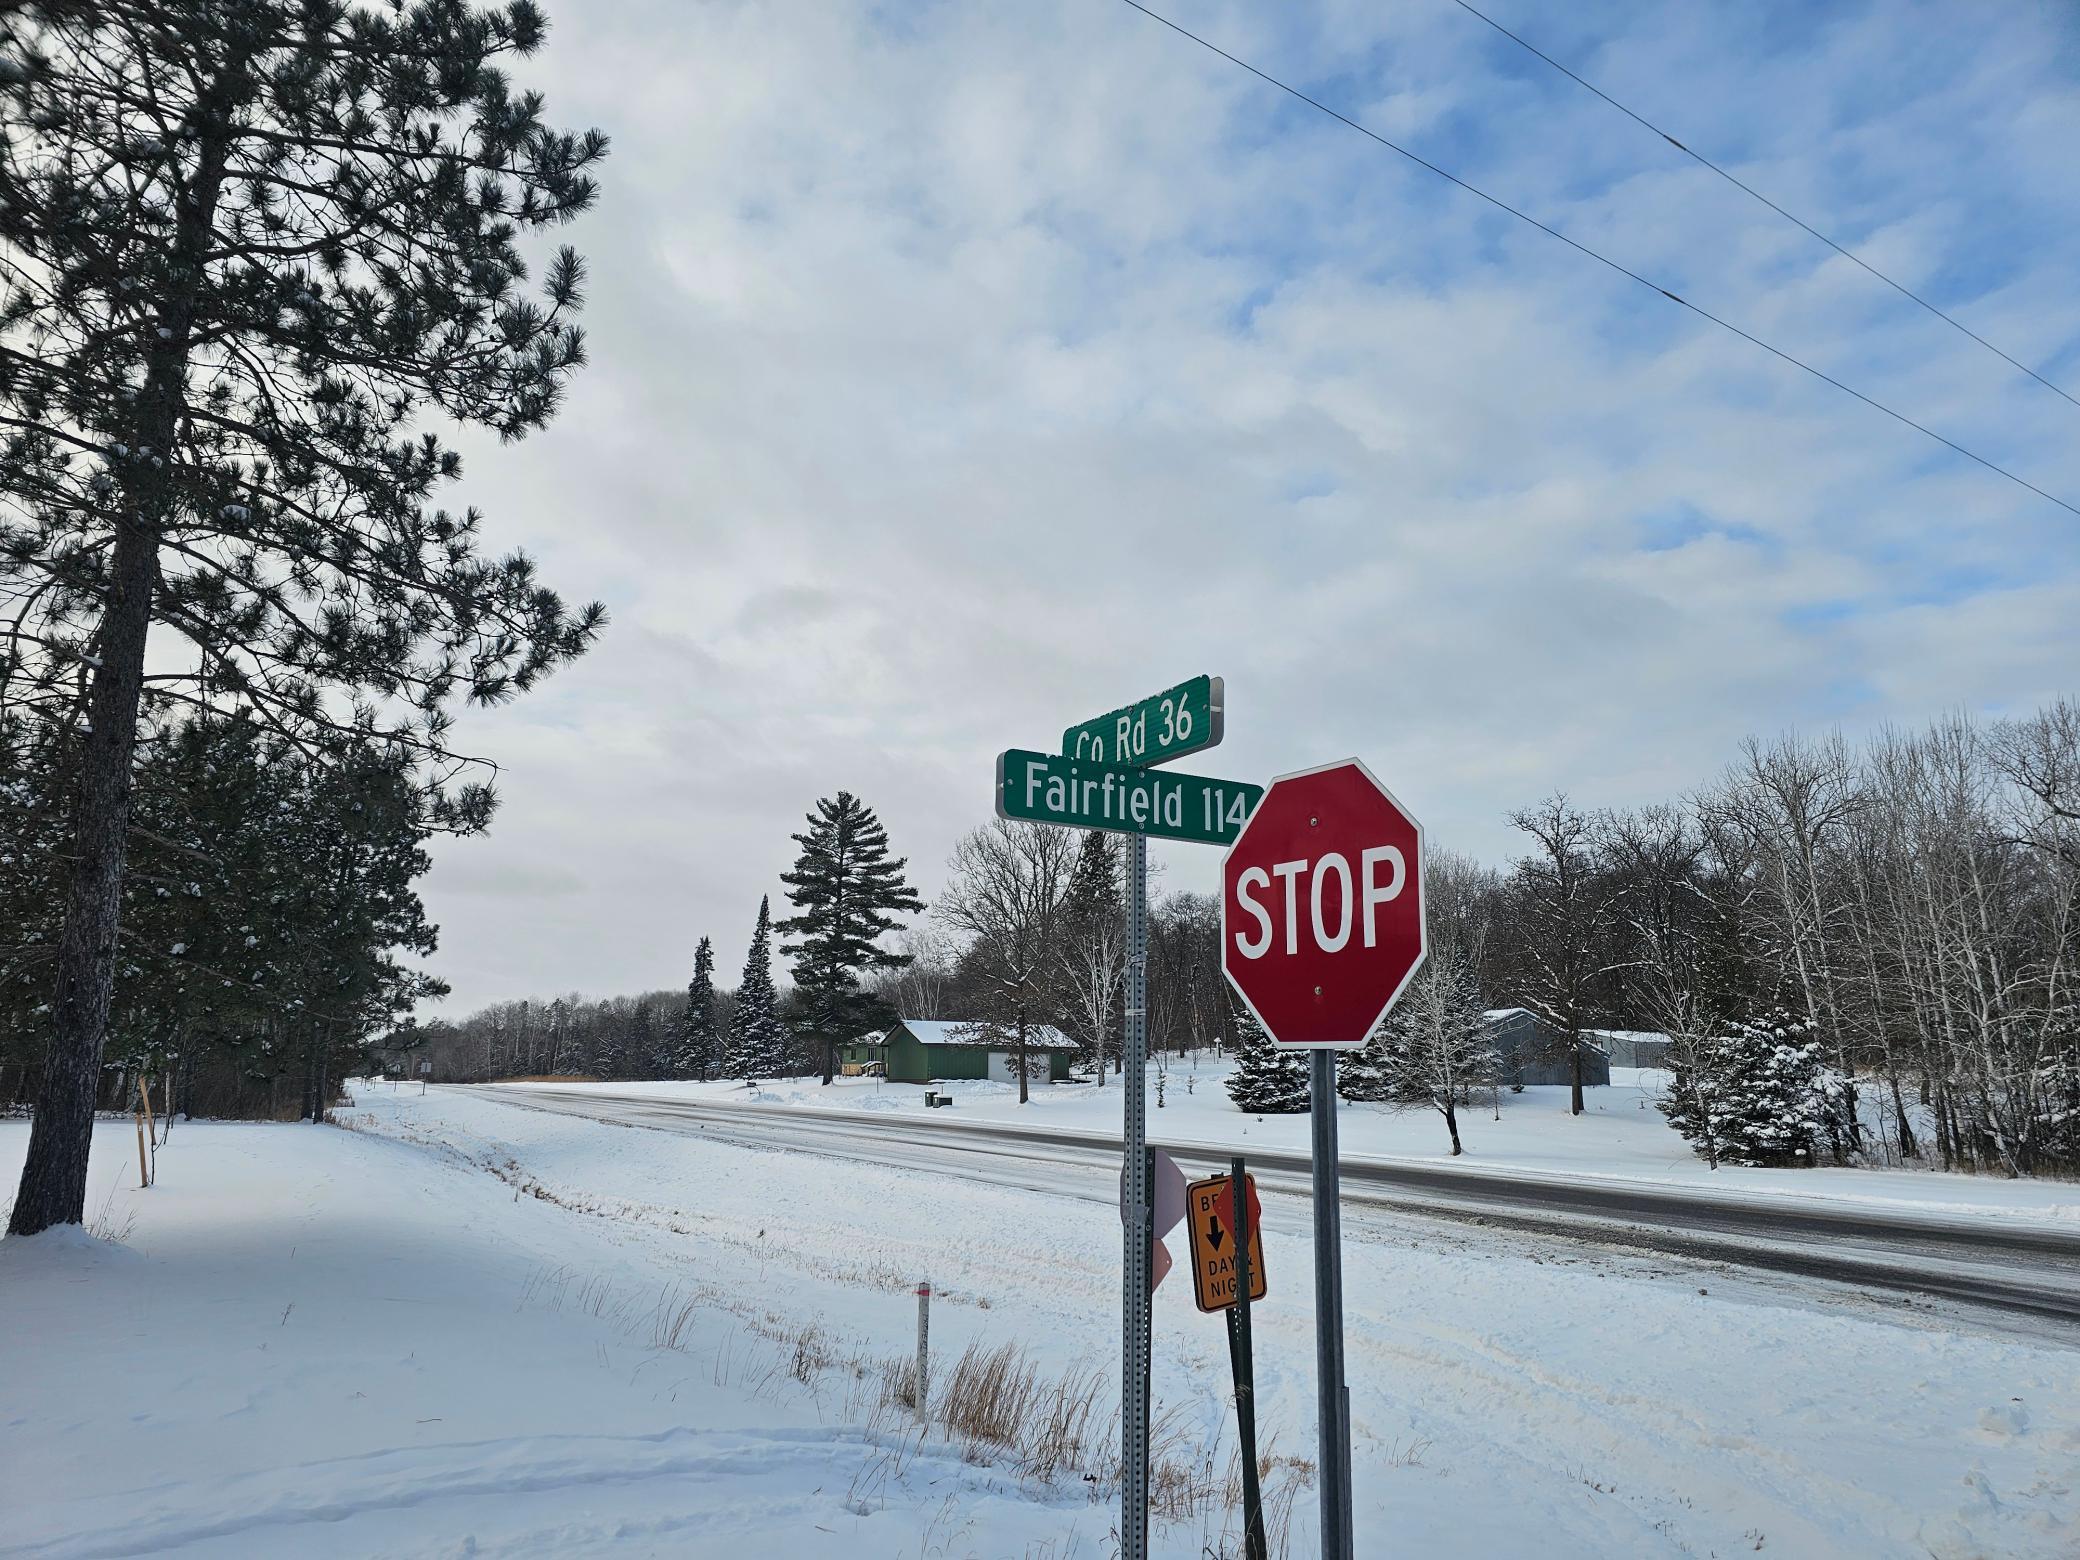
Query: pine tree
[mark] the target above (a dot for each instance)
(1094, 955)
(246, 252)
(1763, 1091)
(757, 1040)
(1267, 1080)
(699, 1045)
(643, 1058)
(844, 888)
(610, 1055)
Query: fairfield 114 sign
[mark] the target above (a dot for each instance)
(1081, 794)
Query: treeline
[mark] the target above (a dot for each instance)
(1872, 946)
(1061, 932)
(1863, 953)
(268, 907)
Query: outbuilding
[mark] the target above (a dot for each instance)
(1634, 1047)
(927, 1050)
(1529, 1050)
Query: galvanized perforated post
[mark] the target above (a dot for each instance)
(1334, 1403)
(1138, 1224)
(924, 1356)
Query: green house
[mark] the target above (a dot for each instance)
(925, 1050)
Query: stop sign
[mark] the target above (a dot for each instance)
(1322, 906)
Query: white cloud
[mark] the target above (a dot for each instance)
(964, 371)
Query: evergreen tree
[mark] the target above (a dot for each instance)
(1763, 1091)
(845, 888)
(699, 1044)
(1094, 955)
(1268, 1080)
(246, 250)
(643, 1058)
(610, 1050)
(757, 1040)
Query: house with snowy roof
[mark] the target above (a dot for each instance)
(932, 1050)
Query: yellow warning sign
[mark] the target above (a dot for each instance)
(1210, 1211)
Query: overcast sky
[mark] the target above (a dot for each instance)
(960, 371)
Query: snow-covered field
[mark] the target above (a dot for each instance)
(472, 1329)
(1620, 1136)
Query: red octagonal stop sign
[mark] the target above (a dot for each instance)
(1322, 906)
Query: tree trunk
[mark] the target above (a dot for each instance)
(1907, 1146)
(1021, 1067)
(1574, 1059)
(54, 1177)
(830, 1058)
(1451, 1125)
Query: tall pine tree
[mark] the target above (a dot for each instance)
(251, 256)
(757, 1039)
(699, 1045)
(845, 888)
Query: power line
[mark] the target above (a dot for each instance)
(1748, 189)
(1605, 260)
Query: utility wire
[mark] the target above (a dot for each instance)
(1605, 260)
(1748, 189)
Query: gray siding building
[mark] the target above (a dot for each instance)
(1528, 1050)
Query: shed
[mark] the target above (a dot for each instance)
(924, 1050)
(1528, 1050)
(1634, 1047)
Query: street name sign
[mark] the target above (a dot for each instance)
(1322, 906)
(1084, 794)
(1164, 726)
(1210, 1210)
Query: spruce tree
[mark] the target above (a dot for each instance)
(250, 254)
(1267, 1080)
(643, 1061)
(1762, 1091)
(845, 889)
(757, 1039)
(1094, 955)
(699, 1045)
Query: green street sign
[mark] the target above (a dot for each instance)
(1080, 794)
(1168, 725)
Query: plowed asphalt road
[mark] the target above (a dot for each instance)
(2027, 1273)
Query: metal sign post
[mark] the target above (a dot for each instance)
(1334, 1406)
(1105, 778)
(924, 1357)
(1136, 1295)
(1336, 842)
(1242, 1357)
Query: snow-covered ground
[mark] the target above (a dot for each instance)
(472, 1329)
(1621, 1135)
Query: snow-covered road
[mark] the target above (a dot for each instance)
(2031, 1274)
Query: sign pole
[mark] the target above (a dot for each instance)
(1334, 1409)
(1136, 1297)
(924, 1337)
(1242, 1356)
